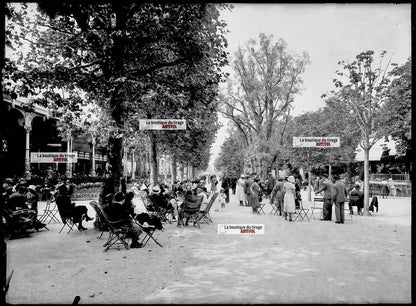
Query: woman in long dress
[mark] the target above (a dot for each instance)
(240, 190)
(289, 199)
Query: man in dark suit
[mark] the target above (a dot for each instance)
(116, 210)
(329, 193)
(340, 198)
(249, 182)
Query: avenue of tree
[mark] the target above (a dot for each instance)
(371, 100)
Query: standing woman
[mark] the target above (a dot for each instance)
(240, 190)
(289, 199)
(214, 183)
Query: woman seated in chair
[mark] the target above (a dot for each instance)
(161, 200)
(70, 210)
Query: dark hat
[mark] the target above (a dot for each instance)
(118, 197)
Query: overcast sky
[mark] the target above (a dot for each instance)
(328, 33)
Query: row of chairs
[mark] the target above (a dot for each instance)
(195, 214)
(118, 232)
(301, 212)
(191, 212)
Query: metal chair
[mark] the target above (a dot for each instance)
(301, 212)
(118, 232)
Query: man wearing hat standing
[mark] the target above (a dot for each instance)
(340, 198)
(329, 196)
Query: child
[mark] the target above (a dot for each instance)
(222, 197)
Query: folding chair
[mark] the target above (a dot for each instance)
(49, 212)
(117, 233)
(147, 204)
(149, 230)
(99, 219)
(301, 212)
(190, 211)
(260, 208)
(274, 210)
(204, 215)
(312, 208)
(67, 221)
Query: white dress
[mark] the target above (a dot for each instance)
(240, 192)
(289, 205)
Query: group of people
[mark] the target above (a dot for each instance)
(21, 203)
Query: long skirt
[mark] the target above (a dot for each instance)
(240, 194)
(289, 203)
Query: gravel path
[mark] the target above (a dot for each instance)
(367, 260)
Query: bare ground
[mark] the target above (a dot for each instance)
(367, 260)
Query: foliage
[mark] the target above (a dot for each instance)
(231, 158)
(119, 53)
(267, 80)
(396, 111)
(363, 95)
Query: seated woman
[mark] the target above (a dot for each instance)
(32, 198)
(191, 201)
(69, 210)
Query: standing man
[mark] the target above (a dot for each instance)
(270, 184)
(329, 193)
(340, 198)
(277, 195)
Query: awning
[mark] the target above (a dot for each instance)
(380, 149)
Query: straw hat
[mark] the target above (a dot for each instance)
(291, 179)
(156, 189)
(32, 187)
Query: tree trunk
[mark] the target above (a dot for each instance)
(173, 168)
(309, 185)
(115, 158)
(153, 160)
(366, 180)
(181, 171)
(193, 172)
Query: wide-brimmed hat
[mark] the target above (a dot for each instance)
(242, 176)
(291, 179)
(32, 187)
(156, 189)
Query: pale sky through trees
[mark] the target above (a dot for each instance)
(328, 33)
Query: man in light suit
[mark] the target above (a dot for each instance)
(340, 198)
(329, 193)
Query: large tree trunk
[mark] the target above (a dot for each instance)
(366, 179)
(153, 159)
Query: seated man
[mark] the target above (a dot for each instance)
(116, 211)
(68, 209)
